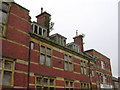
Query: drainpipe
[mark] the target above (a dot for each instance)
(28, 78)
(90, 76)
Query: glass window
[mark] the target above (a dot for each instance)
(1, 63)
(45, 81)
(4, 7)
(51, 82)
(42, 49)
(102, 64)
(66, 57)
(32, 45)
(92, 73)
(35, 29)
(44, 32)
(70, 58)
(81, 84)
(4, 17)
(42, 59)
(7, 78)
(48, 51)
(8, 64)
(39, 80)
(40, 31)
(68, 63)
(87, 85)
(48, 60)
(64, 42)
(66, 66)
(67, 84)
(59, 40)
(84, 63)
(70, 66)
(84, 70)
(71, 84)
(81, 63)
(1, 29)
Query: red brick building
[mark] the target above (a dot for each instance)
(31, 58)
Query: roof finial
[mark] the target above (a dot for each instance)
(76, 32)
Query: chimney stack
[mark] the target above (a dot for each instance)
(78, 39)
(43, 19)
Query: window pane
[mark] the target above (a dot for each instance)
(32, 45)
(1, 29)
(7, 78)
(48, 51)
(42, 59)
(51, 82)
(87, 85)
(40, 31)
(39, 80)
(93, 73)
(5, 7)
(70, 58)
(4, 17)
(82, 70)
(1, 63)
(66, 57)
(67, 84)
(81, 85)
(81, 63)
(84, 63)
(0, 17)
(71, 84)
(35, 29)
(70, 66)
(66, 66)
(42, 49)
(85, 71)
(45, 81)
(48, 61)
(8, 64)
(44, 32)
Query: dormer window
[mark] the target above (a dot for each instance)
(39, 30)
(73, 46)
(59, 39)
(4, 10)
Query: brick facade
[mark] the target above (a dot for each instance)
(50, 68)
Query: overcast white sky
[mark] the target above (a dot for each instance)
(97, 19)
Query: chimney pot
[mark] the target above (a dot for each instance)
(41, 10)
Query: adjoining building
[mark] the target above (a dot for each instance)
(115, 83)
(31, 58)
